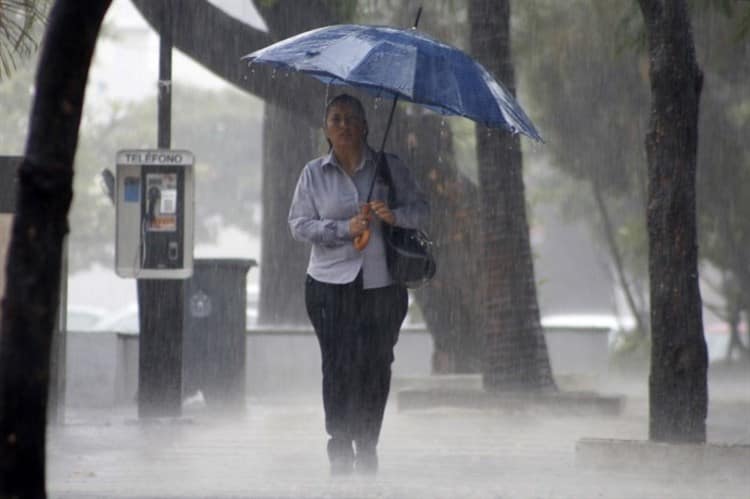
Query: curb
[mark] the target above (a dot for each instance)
(567, 402)
(643, 455)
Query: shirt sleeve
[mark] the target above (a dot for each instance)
(411, 208)
(306, 224)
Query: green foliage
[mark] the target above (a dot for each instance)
(342, 9)
(737, 12)
(723, 154)
(743, 25)
(443, 19)
(589, 97)
(15, 105)
(223, 131)
(584, 69)
(20, 22)
(589, 92)
(700, 7)
(584, 81)
(630, 32)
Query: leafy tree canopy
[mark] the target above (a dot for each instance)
(19, 27)
(223, 132)
(584, 67)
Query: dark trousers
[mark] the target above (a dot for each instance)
(357, 330)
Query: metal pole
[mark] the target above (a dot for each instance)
(164, 133)
(161, 301)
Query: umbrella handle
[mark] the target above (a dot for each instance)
(360, 242)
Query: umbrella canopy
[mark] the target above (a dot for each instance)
(401, 64)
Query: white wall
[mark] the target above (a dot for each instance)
(102, 368)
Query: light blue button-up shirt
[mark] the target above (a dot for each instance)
(326, 197)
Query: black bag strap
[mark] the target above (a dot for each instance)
(382, 169)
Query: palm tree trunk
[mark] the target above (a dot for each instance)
(288, 143)
(283, 261)
(35, 253)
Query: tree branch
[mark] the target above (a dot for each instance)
(217, 41)
(652, 10)
(615, 253)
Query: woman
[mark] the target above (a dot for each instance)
(355, 307)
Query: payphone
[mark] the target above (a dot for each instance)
(155, 204)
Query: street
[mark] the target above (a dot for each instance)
(277, 450)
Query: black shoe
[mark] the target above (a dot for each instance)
(341, 456)
(366, 462)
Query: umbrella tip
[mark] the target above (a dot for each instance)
(416, 21)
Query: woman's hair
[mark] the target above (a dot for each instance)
(347, 100)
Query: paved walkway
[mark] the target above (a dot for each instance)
(276, 450)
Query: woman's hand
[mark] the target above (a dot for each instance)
(381, 210)
(359, 227)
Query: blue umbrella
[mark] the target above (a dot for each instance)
(401, 64)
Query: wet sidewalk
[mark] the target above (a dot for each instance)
(277, 450)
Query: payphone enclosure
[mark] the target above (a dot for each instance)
(154, 200)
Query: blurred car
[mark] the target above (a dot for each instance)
(253, 299)
(615, 327)
(123, 321)
(82, 317)
(588, 321)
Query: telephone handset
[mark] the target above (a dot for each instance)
(154, 193)
(162, 212)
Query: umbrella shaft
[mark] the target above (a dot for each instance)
(388, 125)
(382, 147)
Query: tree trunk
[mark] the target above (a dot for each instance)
(678, 391)
(288, 144)
(283, 260)
(34, 256)
(515, 353)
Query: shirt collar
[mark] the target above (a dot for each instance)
(368, 154)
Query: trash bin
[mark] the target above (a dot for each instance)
(214, 330)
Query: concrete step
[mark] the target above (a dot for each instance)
(661, 457)
(465, 391)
